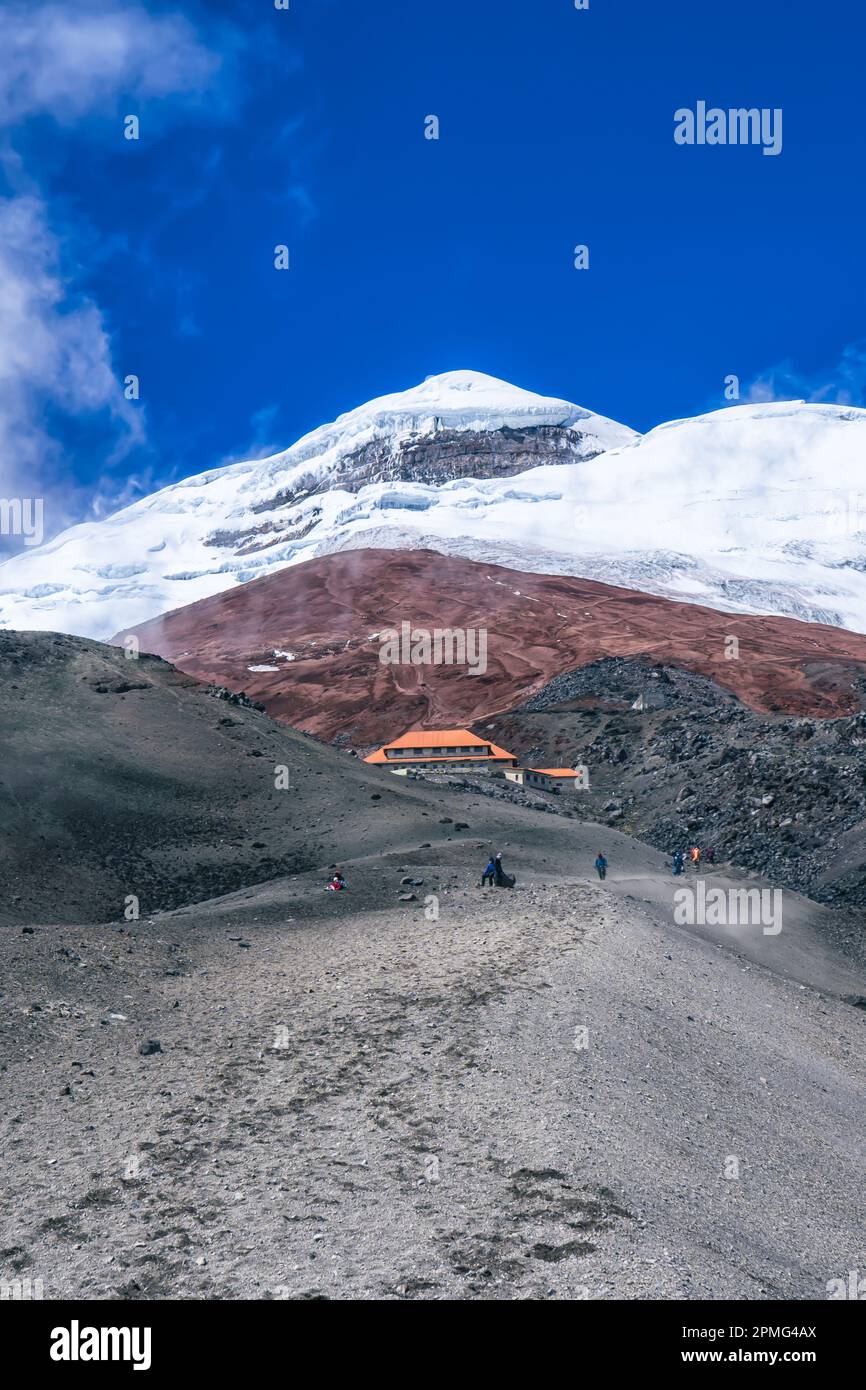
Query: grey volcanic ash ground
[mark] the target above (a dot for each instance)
(412, 1090)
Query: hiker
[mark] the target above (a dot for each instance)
(695, 854)
(678, 862)
(710, 855)
(337, 883)
(502, 879)
(489, 873)
(601, 864)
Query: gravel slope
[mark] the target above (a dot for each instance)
(284, 1093)
(352, 1101)
(306, 643)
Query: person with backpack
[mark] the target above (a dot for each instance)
(503, 880)
(601, 865)
(677, 863)
(489, 873)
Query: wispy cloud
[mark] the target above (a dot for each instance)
(262, 443)
(299, 196)
(110, 494)
(844, 383)
(301, 157)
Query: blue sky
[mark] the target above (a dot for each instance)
(408, 256)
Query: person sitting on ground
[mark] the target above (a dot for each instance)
(502, 879)
(601, 864)
(489, 873)
(337, 883)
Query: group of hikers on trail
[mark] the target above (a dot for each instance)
(495, 874)
(696, 854)
(678, 862)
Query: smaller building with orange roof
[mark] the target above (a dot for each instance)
(548, 778)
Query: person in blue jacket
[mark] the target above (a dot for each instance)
(601, 864)
(489, 873)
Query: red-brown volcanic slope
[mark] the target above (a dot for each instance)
(325, 610)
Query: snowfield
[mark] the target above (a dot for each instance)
(756, 509)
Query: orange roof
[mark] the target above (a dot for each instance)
(500, 753)
(554, 771)
(440, 738)
(434, 738)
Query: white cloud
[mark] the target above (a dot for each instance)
(70, 60)
(54, 355)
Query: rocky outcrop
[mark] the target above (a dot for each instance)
(432, 458)
(446, 454)
(783, 797)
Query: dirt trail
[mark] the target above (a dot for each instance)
(803, 948)
(807, 948)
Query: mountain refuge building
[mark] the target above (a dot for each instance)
(440, 747)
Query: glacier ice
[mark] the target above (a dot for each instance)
(756, 508)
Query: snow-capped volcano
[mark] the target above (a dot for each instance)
(231, 524)
(756, 509)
